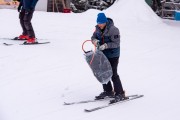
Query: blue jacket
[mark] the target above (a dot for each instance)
(111, 37)
(28, 4)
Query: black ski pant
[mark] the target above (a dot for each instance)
(118, 89)
(25, 21)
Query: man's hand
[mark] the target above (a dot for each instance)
(103, 47)
(95, 42)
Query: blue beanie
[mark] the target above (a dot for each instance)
(101, 18)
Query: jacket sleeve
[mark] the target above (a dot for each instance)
(94, 36)
(115, 38)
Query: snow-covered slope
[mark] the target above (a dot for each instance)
(36, 80)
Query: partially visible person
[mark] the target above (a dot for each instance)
(26, 9)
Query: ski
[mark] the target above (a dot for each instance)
(84, 101)
(17, 39)
(37, 43)
(88, 101)
(108, 105)
(7, 44)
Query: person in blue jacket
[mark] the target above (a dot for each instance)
(26, 9)
(107, 37)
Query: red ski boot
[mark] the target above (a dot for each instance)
(22, 37)
(31, 41)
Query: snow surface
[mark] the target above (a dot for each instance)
(36, 80)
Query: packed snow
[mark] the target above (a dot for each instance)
(36, 80)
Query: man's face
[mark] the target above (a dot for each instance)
(102, 26)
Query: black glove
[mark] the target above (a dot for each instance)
(19, 8)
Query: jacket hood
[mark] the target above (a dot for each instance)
(110, 22)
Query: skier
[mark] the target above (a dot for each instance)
(107, 36)
(26, 9)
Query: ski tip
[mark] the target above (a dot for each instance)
(65, 103)
(86, 110)
(141, 95)
(7, 44)
(135, 95)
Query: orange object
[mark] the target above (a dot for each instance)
(86, 51)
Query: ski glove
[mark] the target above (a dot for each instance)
(95, 42)
(103, 47)
(19, 8)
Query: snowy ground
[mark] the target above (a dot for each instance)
(36, 80)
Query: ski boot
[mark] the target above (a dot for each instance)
(22, 37)
(31, 41)
(118, 97)
(104, 95)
